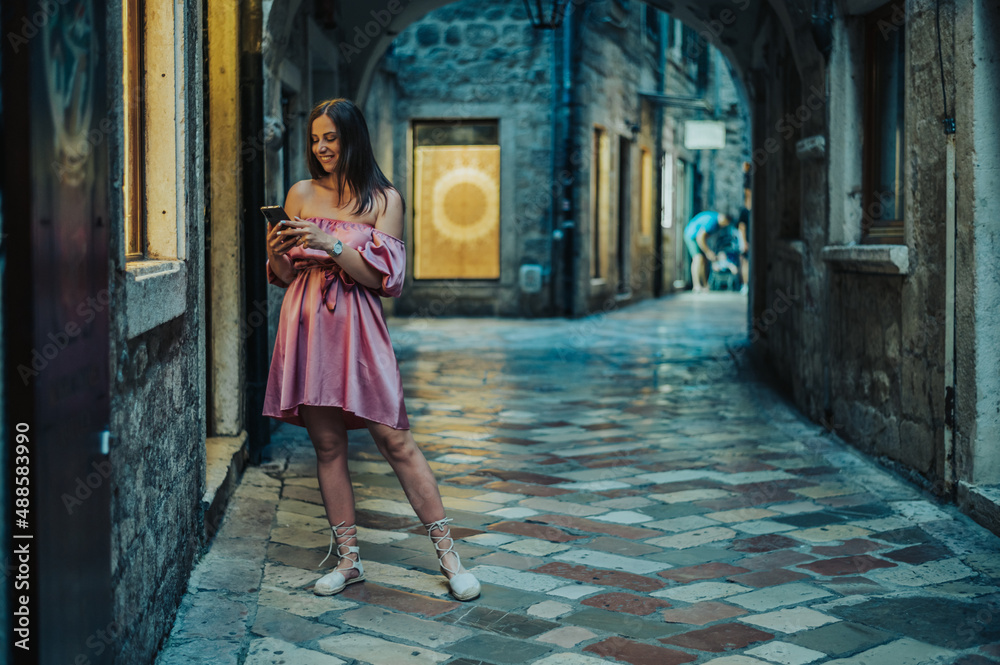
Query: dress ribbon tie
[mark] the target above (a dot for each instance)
(331, 272)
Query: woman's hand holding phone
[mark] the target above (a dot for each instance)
(307, 234)
(278, 244)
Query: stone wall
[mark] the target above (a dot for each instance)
(614, 67)
(977, 109)
(158, 481)
(158, 408)
(779, 323)
(725, 165)
(903, 317)
(788, 307)
(865, 337)
(475, 59)
(864, 352)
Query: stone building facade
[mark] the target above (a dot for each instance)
(475, 62)
(884, 343)
(157, 354)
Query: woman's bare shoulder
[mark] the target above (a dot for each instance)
(303, 188)
(298, 195)
(388, 200)
(392, 196)
(390, 214)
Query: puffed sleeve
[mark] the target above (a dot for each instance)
(387, 255)
(273, 278)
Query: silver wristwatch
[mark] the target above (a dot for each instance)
(338, 248)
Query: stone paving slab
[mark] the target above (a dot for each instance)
(368, 649)
(625, 492)
(271, 651)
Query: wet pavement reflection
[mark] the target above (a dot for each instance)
(626, 490)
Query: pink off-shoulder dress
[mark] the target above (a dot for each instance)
(333, 346)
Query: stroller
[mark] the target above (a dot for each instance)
(724, 272)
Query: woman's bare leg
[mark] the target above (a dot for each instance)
(325, 425)
(415, 475)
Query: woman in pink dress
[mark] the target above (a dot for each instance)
(333, 367)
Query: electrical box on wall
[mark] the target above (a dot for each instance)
(530, 278)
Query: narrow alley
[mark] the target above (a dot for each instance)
(696, 307)
(627, 490)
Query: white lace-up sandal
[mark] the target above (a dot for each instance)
(464, 586)
(335, 582)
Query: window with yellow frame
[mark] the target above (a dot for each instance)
(600, 191)
(646, 193)
(133, 12)
(456, 199)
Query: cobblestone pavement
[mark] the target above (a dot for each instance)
(626, 491)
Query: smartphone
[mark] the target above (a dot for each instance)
(274, 214)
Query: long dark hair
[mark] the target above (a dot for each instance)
(356, 166)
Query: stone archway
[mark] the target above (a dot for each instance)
(741, 29)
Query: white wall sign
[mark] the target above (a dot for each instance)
(704, 134)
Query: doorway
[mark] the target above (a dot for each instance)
(57, 413)
(624, 214)
(685, 211)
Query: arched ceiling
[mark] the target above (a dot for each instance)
(735, 27)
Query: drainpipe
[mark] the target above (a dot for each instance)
(949, 309)
(556, 192)
(571, 60)
(949, 298)
(661, 84)
(821, 27)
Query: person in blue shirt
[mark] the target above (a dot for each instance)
(696, 235)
